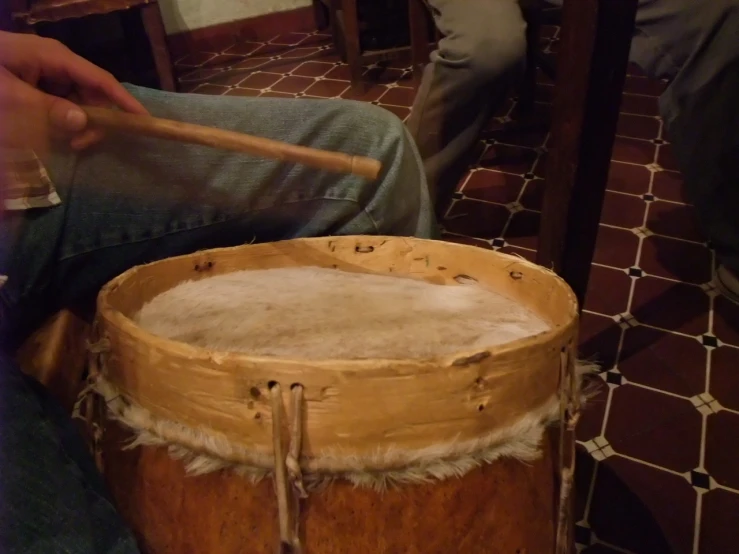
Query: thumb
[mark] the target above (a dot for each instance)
(65, 116)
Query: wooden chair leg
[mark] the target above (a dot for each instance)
(419, 33)
(592, 61)
(320, 14)
(350, 23)
(155, 32)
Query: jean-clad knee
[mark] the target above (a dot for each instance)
(133, 200)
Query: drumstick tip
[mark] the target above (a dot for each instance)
(366, 167)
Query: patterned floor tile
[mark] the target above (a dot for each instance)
(664, 361)
(668, 185)
(722, 448)
(616, 247)
(657, 451)
(672, 219)
(632, 150)
(638, 126)
(726, 321)
(724, 385)
(671, 305)
(493, 186)
(665, 432)
(642, 509)
(609, 290)
(623, 210)
(639, 104)
(665, 158)
(629, 178)
(719, 521)
(476, 219)
(679, 260)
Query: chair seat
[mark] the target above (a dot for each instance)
(59, 10)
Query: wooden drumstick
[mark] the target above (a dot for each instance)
(168, 129)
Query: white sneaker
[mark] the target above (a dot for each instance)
(727, 283)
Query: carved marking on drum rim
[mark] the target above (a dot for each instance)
(205, 266)
(469, 360)
(464, 279)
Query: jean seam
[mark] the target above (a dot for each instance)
(204, 225)
(372, 220)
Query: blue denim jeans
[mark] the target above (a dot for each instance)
(132, 200)
(52, 498)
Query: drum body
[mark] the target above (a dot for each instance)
(505, 507)
(449, 454)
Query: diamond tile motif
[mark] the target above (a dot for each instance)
(583, 535)
(599, 448)
(626, 321)
(613, 377)
(642, 232)
(514, 207)
(661, 433)
(700, 479)
(710, 289)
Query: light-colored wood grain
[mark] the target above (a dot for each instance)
(167, 129)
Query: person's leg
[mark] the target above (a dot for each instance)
(696, 46)
(135, 200)
(51, 497)
(483, 47)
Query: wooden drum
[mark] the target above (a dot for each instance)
(220, 451)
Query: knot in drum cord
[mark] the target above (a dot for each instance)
(569, 411)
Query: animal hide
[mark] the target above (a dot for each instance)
(317, 313)
(204, 451)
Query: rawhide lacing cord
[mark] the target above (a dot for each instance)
(569, 412)
(94, 406)
(287, 468)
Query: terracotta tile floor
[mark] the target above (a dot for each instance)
(659, 447)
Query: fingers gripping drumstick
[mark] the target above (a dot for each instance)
(230, 140)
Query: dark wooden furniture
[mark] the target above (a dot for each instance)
(345, 25)
(592, 59)
(27, 14)
(321, 13)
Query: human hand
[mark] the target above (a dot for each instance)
(40, 81)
